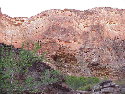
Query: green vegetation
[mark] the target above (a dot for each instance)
(81, 83)
(14, 67)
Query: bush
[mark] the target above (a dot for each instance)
(81, 83)
(14, 65)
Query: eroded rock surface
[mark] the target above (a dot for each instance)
(106, 87)
(81, 43)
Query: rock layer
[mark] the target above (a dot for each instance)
(106, 87)
(81, 43)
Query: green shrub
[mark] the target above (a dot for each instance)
(15, 63)
(81, 83)
(50, 77)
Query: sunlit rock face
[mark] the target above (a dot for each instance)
(81, 43)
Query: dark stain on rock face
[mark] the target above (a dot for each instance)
(64, 57)
(97, 31)
(99, 70)
(87, 12)
(61, 33)
(118, 51)
(55, 29)
(122, 72)
(93, 64)
(97, 28)
(119, 47)
(66, 62)
(83, 15)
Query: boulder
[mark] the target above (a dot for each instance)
(106, 87)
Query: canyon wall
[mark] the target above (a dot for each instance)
(81, 43)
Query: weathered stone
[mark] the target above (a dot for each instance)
(81, 43)
(106, 87)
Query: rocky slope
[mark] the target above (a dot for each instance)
(81, 43)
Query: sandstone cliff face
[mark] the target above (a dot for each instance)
(87, 43)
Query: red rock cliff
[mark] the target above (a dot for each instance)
(88, 43)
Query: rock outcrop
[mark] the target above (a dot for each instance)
(81, 43)
(106, 87)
